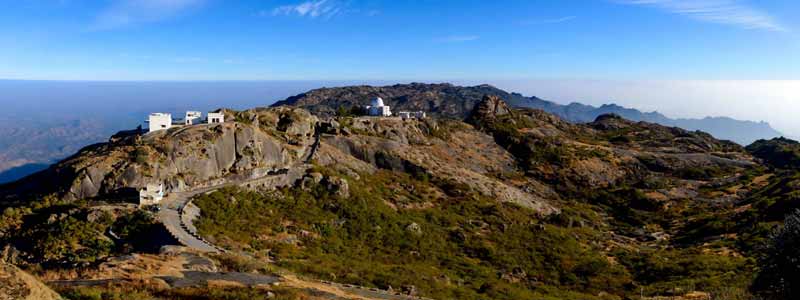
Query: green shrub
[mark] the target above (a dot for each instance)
(468, 247)
(779, 277)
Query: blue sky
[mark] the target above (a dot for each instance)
(686, 58)
(422, 39)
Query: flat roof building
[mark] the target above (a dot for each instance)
(412, 114)
(159, 121)
(193, 117)
(214, 118)
(151, 194)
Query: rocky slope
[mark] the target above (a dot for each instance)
(603, 153)
(18, 285)
(464, 156)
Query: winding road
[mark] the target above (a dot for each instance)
(177, 212)
(170, 216)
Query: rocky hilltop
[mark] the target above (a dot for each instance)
(444, 100)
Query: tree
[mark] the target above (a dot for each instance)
(779, 277)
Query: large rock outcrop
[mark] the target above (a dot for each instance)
(446, 150)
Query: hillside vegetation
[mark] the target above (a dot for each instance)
(505, 204)
(642, 208)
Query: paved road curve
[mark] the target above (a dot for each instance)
(180, 225)
(170, 216)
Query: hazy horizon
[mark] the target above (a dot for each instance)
(743, 100)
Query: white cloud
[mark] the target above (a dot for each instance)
(549, 21)
(129, 12)
(729, 12)
(312, 9)
(458, 38)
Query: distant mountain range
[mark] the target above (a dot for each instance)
(456, 101)
(741, 132)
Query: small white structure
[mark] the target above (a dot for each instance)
(412, 114)
(378, 109)
(159, 121)
(214, 118)
(151, 194)
(192, 118)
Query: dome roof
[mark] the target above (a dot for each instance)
(377, 101)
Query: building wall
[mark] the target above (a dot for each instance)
(216, 118)
(151, 194)
(159, 121)
(379, 111)
(193, 117)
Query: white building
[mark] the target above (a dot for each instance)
(151, 194)
(159, 121)
(411, 114)
(193, 117)
(214, 118)
(378, 109)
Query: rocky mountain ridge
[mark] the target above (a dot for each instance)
(457, 101)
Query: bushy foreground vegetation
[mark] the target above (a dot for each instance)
(449, 243)
(780, 269)
(60, 234)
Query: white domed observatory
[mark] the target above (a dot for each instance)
(378, 109)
